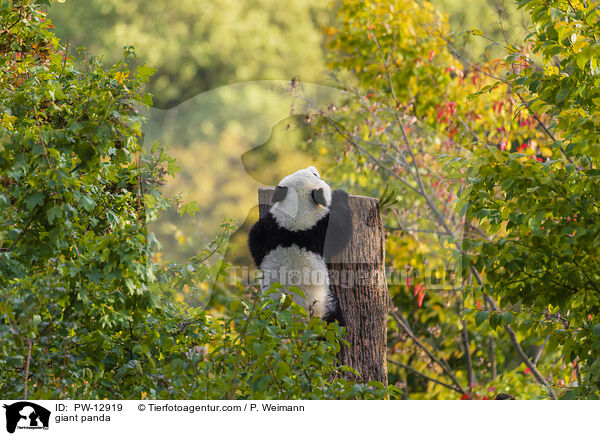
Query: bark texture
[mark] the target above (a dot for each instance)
(358, 280)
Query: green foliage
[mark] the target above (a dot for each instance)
(543, 214)
(267, 349)
(77, 314)
(86, 311)
(565, 85)
(452, 139)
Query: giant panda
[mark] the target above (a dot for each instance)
(305, 227)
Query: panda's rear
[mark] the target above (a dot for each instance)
(295, 266)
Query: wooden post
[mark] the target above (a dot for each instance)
(357, 276)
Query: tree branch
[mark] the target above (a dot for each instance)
(539, 351)
(492, 345)
(425, 376)
(37, 120)
(513, 338)
(465, 339)
(435, 359)
(27, 366)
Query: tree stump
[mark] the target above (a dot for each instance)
(357, 276)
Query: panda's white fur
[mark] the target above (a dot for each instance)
(294, 266)
(288, 244)
(297, 211)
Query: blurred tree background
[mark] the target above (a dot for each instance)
(198, 46)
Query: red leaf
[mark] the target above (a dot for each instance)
(419, 293)
(417, 288)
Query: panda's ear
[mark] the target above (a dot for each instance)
(318, 197)
(280, 193)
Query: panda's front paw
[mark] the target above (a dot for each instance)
(340, 227)
(339, 196)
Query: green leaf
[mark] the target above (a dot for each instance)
(177, 365)
(297, 290)
(54, 213)
(480, 317)
(306, 356)
(34, 200)
(507, 318)
(562, 95)
(144, 72)
(87, 203)
(494, 320)
(130, 285)
(147, 99)
(350, 370)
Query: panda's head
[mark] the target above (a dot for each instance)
(301, 200)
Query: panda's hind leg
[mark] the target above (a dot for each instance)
(334, 311)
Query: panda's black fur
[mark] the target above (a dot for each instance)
(273, 244)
